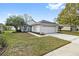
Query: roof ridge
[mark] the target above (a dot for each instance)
(45, 21)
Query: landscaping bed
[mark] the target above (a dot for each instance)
(25, 44)
(3, 44)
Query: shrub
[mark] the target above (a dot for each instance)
(3, 42)
(0, 32)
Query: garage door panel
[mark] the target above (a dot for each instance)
(36, 28)
(48, 29)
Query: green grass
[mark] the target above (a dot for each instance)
(24, 44)
(9, 31)
(69, 32)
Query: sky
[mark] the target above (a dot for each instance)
(38, 11)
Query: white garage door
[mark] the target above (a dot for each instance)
(48, 30)
(36, 29)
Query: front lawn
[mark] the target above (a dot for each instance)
(69, 32)
(25, 44)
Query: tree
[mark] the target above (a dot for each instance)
(60, 27)
(16, 21)
(68, 16)
(28, 21)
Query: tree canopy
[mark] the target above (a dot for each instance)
(69, 15)
(16, 21)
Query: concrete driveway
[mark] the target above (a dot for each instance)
(71, 49)
(71, 38)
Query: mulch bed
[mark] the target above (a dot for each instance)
(2, 50)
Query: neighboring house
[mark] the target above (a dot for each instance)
(65, 27)
(10, 28)
(45, 27)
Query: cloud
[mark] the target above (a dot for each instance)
(10, 14)
(55, 6)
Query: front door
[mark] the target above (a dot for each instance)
(29, 28)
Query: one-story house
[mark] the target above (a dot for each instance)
(42, 27)
(45, 27)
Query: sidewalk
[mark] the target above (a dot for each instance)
(35, 34)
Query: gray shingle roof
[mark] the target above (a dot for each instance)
(45, 22)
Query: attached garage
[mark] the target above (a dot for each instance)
(45, 27)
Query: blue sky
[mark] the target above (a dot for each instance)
(39, 11)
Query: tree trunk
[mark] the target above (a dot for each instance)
(70, 28)
(16, 28)
(73, 28)
(19, 29)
